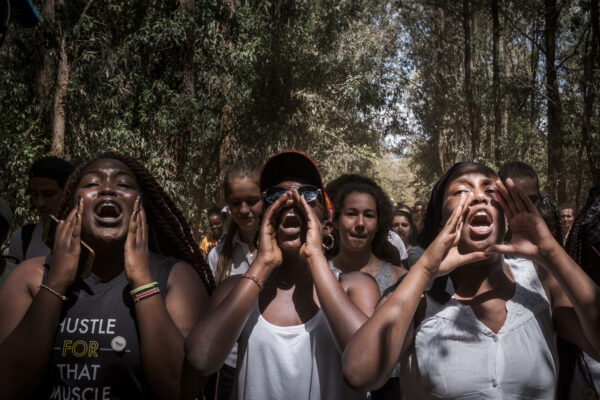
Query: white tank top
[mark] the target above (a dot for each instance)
(456, 356)
(290, 362)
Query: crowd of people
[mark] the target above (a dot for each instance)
(302, 289)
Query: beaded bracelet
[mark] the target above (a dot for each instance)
(54, 292)
(255, 280)
(144, 295)
(143, 288)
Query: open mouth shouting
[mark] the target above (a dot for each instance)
(108, 213)
(291, 223)
(480, 223)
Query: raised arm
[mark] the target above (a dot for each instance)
(29, 314)
(162, 324)
(346, 306)
(375, 349)
(574, 297)
(214, 335)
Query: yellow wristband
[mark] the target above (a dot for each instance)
(142, 288)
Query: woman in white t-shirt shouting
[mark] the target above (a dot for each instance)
(291, 317)
(491, 332)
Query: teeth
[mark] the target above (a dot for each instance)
(481, 213)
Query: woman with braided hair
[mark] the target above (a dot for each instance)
(108, 335)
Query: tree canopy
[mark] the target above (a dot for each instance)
(188, 86)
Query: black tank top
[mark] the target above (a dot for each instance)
(96, 353)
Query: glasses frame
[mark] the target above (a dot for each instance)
(284, 190)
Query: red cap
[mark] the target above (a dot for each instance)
(294, 164)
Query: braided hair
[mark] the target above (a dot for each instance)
(168, 230)
(584, 233)
(239, 170)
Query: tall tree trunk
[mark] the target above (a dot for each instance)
(556, 181)
(507, 54)
(186, 89)
(440, 128)
(590, 79)
(533, 83)
(45, 65)
(60, 95)
(470, 109)
(497, 96)
(579, 179)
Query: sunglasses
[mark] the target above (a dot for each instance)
(309, 192)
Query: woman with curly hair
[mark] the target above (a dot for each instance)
(362, 224)
(108, 335)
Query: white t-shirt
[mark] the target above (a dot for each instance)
(300, 362)
(396, 240)
(455, 356)
(37, 248)
(241, 257)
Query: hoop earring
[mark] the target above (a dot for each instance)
(331, 241)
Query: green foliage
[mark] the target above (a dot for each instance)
(433, 45)
(307, 75)
(336, 80)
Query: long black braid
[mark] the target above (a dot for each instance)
(168, 230)
(584, 233)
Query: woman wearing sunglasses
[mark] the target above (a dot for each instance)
(289, 314)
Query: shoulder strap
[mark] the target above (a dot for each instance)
(26, 235)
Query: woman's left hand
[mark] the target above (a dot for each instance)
(314, 233)
(137, 255)
(531, 237)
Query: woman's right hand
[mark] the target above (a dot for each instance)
(66, 250)
(269, 253)
(442, 255)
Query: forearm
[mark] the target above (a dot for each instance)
(375, 349)
(582, 292)
(344, 317)
(213, 337)
(162, 347)
(34, 335)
